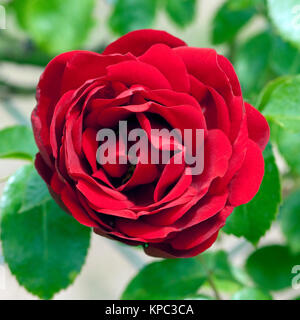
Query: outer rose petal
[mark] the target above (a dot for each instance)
(247, 180)
(166, 251)
(258, 128)
(203, 64)
(68, 198)
(42, 168)
(85, 65)
(228, 69)
(138, 42)
(196, 235)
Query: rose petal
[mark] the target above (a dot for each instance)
(258, 128)
(247, 180)
(136, 72)
(203, 64)
(162, 250)
(138, 42)
(169, 64)
(89, 146)
(69, 199)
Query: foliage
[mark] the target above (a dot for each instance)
(55, 25)
(43, 247)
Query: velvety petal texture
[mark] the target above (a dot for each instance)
(154, 81)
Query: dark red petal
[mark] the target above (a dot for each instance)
(237, 114)
(247, 180)
(169, 64)
(140, 229)
(57, 183)
(49, 86)
(58, 121)
(68, 197)
(143, 174)
(162, 250)
(171, 98)
(171, 173)
(196, 235)
(216, 111)
(180, 187)
(198, 89)
(116, 168)
(160, 139)
(188, 195)
(102, 176)
(258, 128)
(89, 146)
(202, 211)
(217, 152)
(239, 150)
(203, 64)
(229, 71)
(48, 94)
(110, 117)
(136, 72)
(138, 42)
(100, 199)
(166, 217)
(86, 65)
(183, 117)
(42, 168)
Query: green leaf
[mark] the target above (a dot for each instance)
(253, 219)
(285, 16)
(290, 220)
(285, 58)
(267, 91)
(56, 25)
(129, 15)
(251, 294)
(270, 267)
(283, 106)
(252, 63)
(36, 192)
(288, 144)
(218, 265)
(167, 279)
(17, 142)
(227, 23)
(226, 277)
(244, 4)
(224, 286)
(182, 12)
(44, 247)
(181, 278)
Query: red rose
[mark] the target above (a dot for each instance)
(152, 80)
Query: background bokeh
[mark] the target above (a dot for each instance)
(35, 33)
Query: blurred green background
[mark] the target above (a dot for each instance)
(259, 37)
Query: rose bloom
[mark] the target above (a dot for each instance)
(153, 80)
